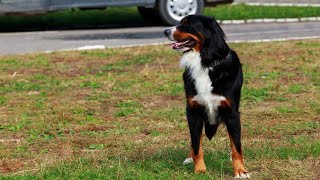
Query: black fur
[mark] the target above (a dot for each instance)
(226, 77)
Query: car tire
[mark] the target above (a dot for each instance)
(172, 11)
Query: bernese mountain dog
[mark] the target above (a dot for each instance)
(212, 83)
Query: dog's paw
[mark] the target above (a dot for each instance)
(200, 169)
(242, 175)
(188, 161)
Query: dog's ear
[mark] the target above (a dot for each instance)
(214, 46)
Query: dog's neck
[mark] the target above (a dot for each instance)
(217, 62)
(189, 57)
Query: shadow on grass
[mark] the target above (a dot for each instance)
(74, 19)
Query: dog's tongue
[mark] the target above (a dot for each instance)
(177, 44)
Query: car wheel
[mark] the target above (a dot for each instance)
(172, 11)
(150, 15)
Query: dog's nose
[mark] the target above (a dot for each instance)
(167, 32)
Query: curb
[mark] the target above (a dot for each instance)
(275, 40)
(267, 20)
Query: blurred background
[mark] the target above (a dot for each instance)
(27, 15)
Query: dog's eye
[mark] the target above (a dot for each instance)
(184, 25)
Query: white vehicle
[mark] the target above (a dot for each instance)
(167, 11)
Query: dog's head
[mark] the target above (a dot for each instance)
(199, 33)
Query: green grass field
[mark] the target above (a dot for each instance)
(130, 16)
(119, 114)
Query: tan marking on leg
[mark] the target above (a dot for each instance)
(237, 161)
(199, 165)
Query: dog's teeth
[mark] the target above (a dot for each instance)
(187, 41)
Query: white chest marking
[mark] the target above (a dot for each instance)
(203, 84)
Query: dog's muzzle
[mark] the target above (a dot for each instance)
(169, 33)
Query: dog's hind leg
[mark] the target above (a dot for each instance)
(195, 121)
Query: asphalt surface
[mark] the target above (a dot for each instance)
(28, 42)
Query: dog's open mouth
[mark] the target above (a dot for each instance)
(189, 43)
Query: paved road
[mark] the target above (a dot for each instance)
(17, 43)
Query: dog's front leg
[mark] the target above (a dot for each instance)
(234, 131)
(195, 121)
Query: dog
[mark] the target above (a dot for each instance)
(212, 82)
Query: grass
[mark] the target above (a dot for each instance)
(129, 16)
(119, 114)
(242, 11)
